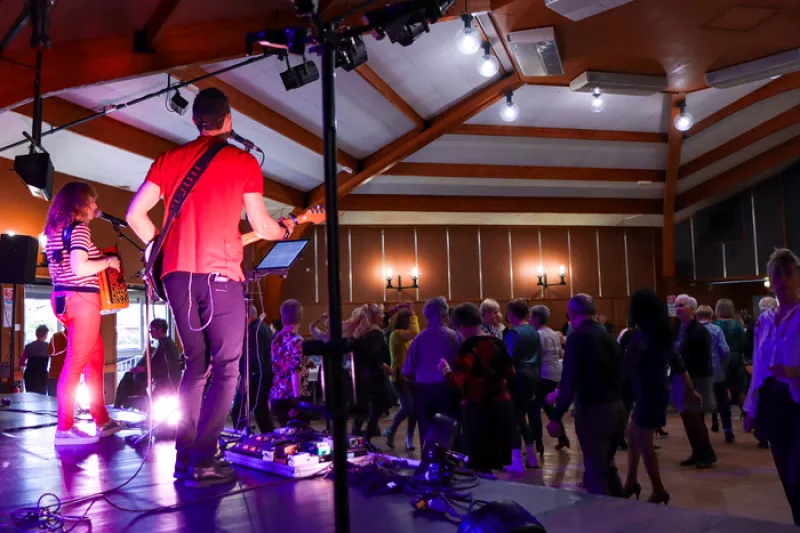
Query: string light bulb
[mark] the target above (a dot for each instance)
(468, 40)
(509, 111)
(684, 120)
(598, 103)
(488, 65)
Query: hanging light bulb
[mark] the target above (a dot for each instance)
(509, 111)
(487, 63)
(598, 103)
(684, 120)
(468, 40)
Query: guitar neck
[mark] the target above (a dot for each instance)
(251, 237)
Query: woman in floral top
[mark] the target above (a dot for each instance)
(483, 372)
(289, 366)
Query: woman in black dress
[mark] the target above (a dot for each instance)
(647, 357)
(483, 372)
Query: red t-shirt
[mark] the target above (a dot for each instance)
(205, 237)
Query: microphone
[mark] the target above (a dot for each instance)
(111, 218)
(247, 143)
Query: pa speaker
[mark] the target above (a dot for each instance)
(36, 170)
(18, 255)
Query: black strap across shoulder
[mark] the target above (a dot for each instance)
(178, 200)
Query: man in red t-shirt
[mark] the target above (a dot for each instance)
(203, 276)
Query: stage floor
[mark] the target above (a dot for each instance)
(31, 466)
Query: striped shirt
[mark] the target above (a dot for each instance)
(61, 272)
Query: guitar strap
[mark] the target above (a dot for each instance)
(178, 200)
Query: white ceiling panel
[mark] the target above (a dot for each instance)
(761, 176)
(285, 161)
(425, 218)
(542, 152)
(708, 101)
(366, 120)
(738, 158)
(558, 107)
(737, 124)
(78, 156)
(508, 187)
(430, 74)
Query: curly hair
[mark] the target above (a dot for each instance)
(68, 206)
(362, 320)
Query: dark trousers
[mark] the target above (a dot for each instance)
(35, 382)
(130, 386)
(546, 386)
(196, 301)
(373, 401)
(259, 405)
(723, 405)
(431, 399)
(600, 428)
(52, 387)
(404, 394)
(778, 421)
(527, 409)
(696, 431)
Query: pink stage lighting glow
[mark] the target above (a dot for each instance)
(82, 397)
(165, 409)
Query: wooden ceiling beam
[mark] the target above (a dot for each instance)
(456, 170)
(391, 154)
(265, 116)
(497, 204)
(146, 38)
(785, 83)
(377, 83)
(57, 111)
(674, 145)
(773, 125)
(93, 61)
(737, 175)
(558, 133)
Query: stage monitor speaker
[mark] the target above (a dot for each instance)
(18, 257)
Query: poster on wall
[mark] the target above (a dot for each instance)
(671, 305)
(8, 307)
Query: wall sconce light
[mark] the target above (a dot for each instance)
(399, 287)
(767, 284)
(542, 275)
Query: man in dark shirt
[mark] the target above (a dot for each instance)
(259, 351)
(36, 358)
(592, 377)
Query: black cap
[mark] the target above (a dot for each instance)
(209, 108)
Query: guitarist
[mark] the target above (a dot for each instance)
(202, 275)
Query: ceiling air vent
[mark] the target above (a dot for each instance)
(581, 9)
(615, 83)
(536, 52)
(759, 69)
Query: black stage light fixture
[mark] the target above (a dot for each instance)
(305, 8)
(178, 104)
(351, 53)
(36, 170)
(404, 23)
(299, 75)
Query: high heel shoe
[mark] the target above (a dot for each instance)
(563, 442)
(634, 489)
(660, 498)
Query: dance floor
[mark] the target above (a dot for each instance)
(31, 466)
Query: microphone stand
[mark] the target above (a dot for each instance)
(118, 229)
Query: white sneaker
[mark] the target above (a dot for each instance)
(74, 437)
(111, 427)
(516, 466)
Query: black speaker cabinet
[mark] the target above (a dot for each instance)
(18, 256)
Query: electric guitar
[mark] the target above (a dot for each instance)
(313, 215)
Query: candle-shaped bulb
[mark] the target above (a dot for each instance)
(415, 272)
(562, 270)
(388, 273)
(540, 271)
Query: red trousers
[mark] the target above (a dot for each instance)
(84, 354)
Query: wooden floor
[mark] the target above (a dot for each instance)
(743, 485)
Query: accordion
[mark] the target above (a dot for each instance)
(113, 288)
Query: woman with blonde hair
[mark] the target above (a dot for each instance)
(371, 360)
(736, 372)
(74, 263)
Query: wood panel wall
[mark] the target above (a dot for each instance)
(469, 263)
